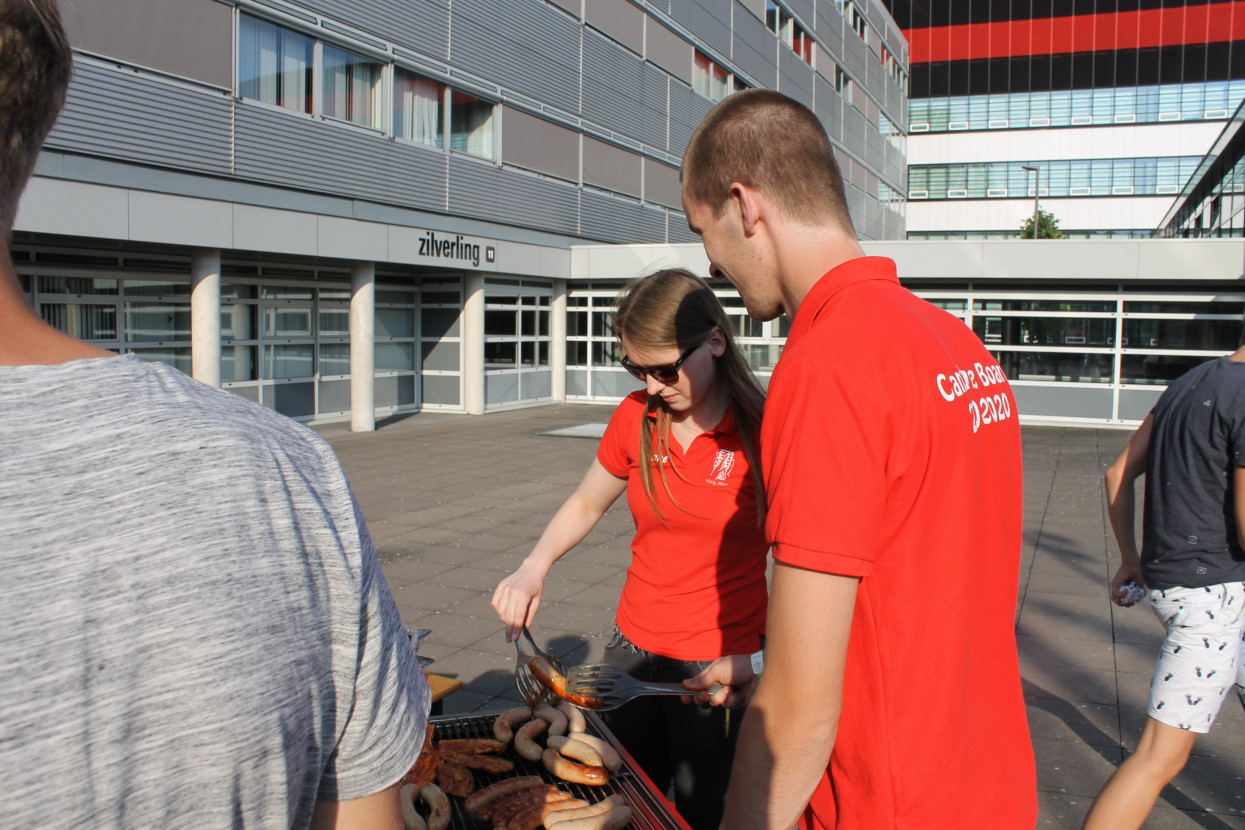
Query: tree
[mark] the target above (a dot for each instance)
(1048, 227)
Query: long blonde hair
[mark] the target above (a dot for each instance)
(673, 308)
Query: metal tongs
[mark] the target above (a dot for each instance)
(614, 687)
(530, 689)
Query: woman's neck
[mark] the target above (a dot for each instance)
(707, 413)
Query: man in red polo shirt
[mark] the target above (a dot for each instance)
(890, 447)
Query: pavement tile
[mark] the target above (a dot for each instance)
(1065, 616)
(1070, 683)
(458, 630)
(468, 577)
(1072, 767)
(1059, 720)
(1090, 654)
(425, 596)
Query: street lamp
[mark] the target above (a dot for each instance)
(1037, 183)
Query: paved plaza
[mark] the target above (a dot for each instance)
(455, 502)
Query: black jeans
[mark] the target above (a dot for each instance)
(677, 744)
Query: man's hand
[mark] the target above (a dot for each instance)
(734, 673)
(1127, 572)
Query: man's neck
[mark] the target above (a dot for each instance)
(1238, 356)
(810, 254)
(25, 340)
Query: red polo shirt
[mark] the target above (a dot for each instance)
(891, 452)
(696, 586)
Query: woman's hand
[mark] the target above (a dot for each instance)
(734, 673)
(517, 597)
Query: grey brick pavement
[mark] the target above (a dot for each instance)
(455, 503)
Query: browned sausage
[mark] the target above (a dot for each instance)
(525, 739)
(574, 749)
(438, 806)
(555, 681)
(613, 761)
(480, 763)
(568, 770)
(472, 746)
(557, 720)
(455, 780)
(534, 816)
(494, 792)
(503, 727)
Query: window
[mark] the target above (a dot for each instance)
(471, 125)
(417, 104)
(350, 87)
(274, 65)
(710, 80)
(843, 84)
(779, 21)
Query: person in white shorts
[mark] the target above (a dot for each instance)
(1192, 449)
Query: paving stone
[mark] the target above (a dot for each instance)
(1072, 767)
(1061, 720)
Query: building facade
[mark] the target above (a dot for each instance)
(1212, 203)
(335, 207)
(1105, 109)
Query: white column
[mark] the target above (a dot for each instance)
(362, 347)
(473, 344)
(557, 344)
(205, 315)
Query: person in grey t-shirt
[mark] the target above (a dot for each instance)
(196, 629)
(1191, 448)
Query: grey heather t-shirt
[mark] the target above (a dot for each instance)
(195, 629)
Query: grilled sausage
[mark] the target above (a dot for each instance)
(454, 779)
(438, 806)
(411, 820)
(577, 749)
(525, 739)
(613, 761)
(485, 797)
(556, 720)
(472, 746)
(534, 816)
(595, 811)
(480, 763)
(575, 720)
(571, 771)
(503, 727)
(555, 681)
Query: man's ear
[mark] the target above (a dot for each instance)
(750, 206)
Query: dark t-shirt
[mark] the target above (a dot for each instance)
(1196, 443)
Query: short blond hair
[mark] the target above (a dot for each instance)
(35, 64)
(773, 144)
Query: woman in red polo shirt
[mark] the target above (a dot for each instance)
(696, 588)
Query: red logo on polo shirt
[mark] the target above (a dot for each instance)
(723, 463)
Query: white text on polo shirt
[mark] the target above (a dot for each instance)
(723, 463)
(984, 409)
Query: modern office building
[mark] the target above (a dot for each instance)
(1106, 108)
(1212, 203)
(361, 207)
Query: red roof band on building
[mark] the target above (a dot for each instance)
(1148, 28)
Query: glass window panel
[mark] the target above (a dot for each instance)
(527, 353)
(439, 322)
(542, 323)
(417, 110)
(1208, 335)
(179, 359)
(287, 322)
(605, 354)
(77, 285)
(335, 323)
(289, 361)
(471, 125)
(1060, 366)
(237, 322)
(334, 359)
(576, 323)
(395, 357)
(441, 298)
(85, 322)
(1043, 305)
(576, 300)
(701, 70)
(529, 323)
(576, 353)
(602, 324)
(761, 358)
(1156, 369)
(156, 289)
(237, 363)
(339, 294)
(274, 65)
(285, 292)
(157, 322)
(501, 323)
(1182, 307)
(394, 296)
(1045, 331)
(395, 322)
(350, 86)
(500, 355)
(234, 291)
(542, 353)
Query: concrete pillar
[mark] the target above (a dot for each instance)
(473, 344)
(205, 316)
(557, 344)
(362, 347)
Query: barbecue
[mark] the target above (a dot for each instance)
(650, 811)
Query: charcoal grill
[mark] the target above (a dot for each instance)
(649, 809)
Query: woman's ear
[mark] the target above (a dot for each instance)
(717, 342)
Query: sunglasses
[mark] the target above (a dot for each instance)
(666, 372)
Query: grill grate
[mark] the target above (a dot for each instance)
(650, 811)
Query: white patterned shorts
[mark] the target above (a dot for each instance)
(1202, 656)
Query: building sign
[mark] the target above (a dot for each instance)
(455, 249)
